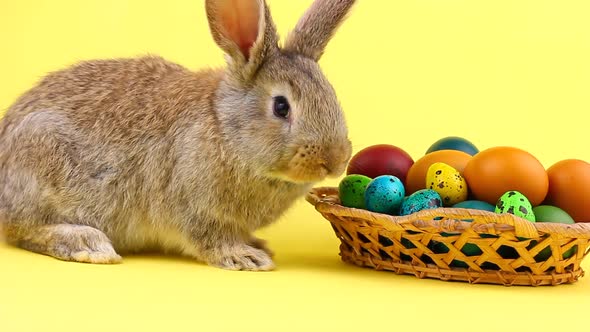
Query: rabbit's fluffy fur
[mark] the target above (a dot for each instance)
(127, 155)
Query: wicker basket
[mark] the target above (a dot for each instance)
(509, 250)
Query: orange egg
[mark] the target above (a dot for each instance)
(416, 178)
(493, 172)
(569, 188)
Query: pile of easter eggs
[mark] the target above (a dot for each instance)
(454, 173)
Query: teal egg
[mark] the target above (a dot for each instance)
(405, 199)
(515, 203)
(548, 213)
(511, 253)
(441, 248)
(384, 194)
(454, 143)
(475, 205)
(420, 200)
(507, 252)
(469, 249)
(398, 212)
(544, 254)
(352, 190)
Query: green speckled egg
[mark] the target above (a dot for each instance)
(420, 200)
(515, 203)
(548, 213)
(352, 190)
(475, 205)
(447, 182)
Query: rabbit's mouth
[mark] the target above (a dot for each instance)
(299, 176)
(310, 163)
(303, 173)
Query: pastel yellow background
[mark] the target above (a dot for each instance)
(502, 72)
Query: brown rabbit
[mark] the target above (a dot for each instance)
(129, 155)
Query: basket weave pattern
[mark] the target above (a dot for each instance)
(505, 245)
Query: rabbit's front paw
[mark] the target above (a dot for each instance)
(261, 244)
(243, 257)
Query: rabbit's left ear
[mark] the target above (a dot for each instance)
(317, 26)
(244, 30)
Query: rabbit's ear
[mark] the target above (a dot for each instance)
(315, 29)
(244, 30)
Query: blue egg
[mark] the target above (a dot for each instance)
(475, 205)
(384, 194)
(421, 200)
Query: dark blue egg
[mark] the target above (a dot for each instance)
(454, 143)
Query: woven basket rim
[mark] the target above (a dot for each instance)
(326, 200)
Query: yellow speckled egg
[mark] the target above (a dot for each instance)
(447, 182)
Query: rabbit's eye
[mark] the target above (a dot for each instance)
(281, 107)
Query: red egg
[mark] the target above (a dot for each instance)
(381, 159)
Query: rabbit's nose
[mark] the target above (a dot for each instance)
(338, 158)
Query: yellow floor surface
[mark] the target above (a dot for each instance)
(312, 290)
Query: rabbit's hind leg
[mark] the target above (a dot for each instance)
(67, 242)
(41, 174)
